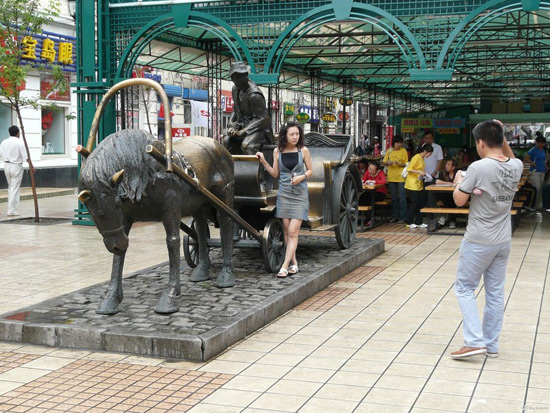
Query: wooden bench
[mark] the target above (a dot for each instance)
(460, 211)
(453, 211)
(362, 209)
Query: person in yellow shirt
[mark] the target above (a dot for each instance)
(415, 184)
(396, 159)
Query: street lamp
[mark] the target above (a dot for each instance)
(72, 8)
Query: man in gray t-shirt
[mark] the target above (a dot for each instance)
(491, 182)
(493, 185)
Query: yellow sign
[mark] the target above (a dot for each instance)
(449, 131)
(302, 117)
(48, 51)
(329, 117)
(65, 53)
(406, 129)
(29, 48)
(416, 123)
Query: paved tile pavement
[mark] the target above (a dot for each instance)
(377, 340)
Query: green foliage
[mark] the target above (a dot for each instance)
(18, 19)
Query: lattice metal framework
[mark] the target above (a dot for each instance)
(408, 55)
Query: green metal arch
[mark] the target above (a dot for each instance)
(166, 22)
(325, 14)
(497, 7)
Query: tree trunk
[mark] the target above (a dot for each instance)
(31, 167)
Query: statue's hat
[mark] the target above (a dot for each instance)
(238, 67)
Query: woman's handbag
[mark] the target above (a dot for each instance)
(404, 172)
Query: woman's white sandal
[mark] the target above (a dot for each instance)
(283, 273)
(293, 269)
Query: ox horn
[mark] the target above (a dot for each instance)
(84, 196)
(82, 150)
(115, 179)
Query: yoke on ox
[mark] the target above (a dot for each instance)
(120, 183)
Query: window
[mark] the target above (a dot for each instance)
(187, 112)
(53, 131)
(6, 120)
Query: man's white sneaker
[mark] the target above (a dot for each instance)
(411, 226)
(422, 226)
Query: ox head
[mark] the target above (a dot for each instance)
(105, 207)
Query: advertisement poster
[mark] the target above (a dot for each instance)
(50, 92)
(199, 114)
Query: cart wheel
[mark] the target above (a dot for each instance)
(348, 212)
(273, 245)
(191, 245)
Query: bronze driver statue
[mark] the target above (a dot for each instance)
(250, 125)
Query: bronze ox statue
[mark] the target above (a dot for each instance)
(120, 184)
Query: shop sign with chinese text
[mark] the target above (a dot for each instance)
(50, 48)
(226, 101)
(329, 117)
(302, 117)
(341, 115)
(181, 132)
(289, 108)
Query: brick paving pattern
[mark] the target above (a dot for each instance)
(9, 360)
(100, 386)
(337, 292)
(326, 299)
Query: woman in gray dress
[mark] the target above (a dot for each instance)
(292, 165)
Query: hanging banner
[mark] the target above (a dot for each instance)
(199, 114)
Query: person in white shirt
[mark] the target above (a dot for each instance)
(432, 168)
(12, 151)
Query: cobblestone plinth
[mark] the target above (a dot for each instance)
(210, 319)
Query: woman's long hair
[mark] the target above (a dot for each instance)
(283, 132)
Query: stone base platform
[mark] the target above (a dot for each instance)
(210, 319)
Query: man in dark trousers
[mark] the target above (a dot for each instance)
(250, 125)
(491, 183)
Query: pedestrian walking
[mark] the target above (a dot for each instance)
(12, 151)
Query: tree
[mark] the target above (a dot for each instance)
(19, 21)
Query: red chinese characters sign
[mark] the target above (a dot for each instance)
(181, 132)
(226, 101)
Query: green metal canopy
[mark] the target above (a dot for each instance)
(408, 55)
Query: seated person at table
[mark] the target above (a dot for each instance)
(373, 176)
(447, 176)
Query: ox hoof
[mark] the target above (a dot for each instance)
(199, 274)
(108, 307)
(225, 279)
(167, 304)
